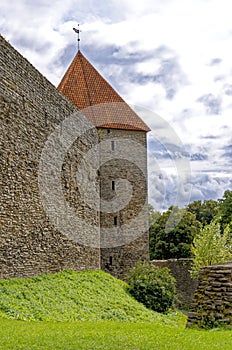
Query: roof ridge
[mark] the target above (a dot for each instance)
(86, 83)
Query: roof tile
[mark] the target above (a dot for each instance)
(91, 93)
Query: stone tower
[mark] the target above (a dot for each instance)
(122, 169)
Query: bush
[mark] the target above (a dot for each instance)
(152, 286)
(211, 246)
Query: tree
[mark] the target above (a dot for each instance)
(153, 215)
(225, 209)
(205, 211)
(210, 247)
(172, 234)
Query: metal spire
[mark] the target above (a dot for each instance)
(78, 35)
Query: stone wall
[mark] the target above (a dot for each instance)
(54, 227)
(212, 303)
(185, 285)
(30, 242)
(124, 227)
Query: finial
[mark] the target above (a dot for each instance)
(78, 35)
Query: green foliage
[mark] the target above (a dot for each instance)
(209, 322)
(209, 210)
(152, 286)
(100, 136)
(205, 211)
(225, 209)
(153, 215)
(71, 296)
(171, 235)
(210, 247)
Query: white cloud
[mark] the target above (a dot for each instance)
(193, 94)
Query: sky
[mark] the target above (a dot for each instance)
(170, 59)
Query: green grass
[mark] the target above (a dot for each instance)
(91, 310)
(108, 335)
(73, 296)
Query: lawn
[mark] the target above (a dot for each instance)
(108, 335)
(91, 310)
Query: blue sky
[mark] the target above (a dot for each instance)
(173, 58)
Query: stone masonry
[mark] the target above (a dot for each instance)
(31, 108)
(131, 240)
(212, 303)
(31, 241)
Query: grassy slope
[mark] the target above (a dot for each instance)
(73, 296)
(92, 297)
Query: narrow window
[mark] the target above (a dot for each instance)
(46, 119)
(108, 131)
(113, 185)
(112, 145)
(115, 221)
(111, 260)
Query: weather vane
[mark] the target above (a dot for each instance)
(78, 35)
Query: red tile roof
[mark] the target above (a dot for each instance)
(90, 92)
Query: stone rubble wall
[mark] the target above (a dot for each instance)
(212, 302)
(31, 108)
(185, 285)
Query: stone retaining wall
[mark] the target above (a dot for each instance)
(212, 303)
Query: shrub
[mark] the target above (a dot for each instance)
(152, 286)
(211, 246)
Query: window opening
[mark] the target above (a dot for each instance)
(115, 221)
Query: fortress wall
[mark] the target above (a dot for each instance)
(30, 242)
